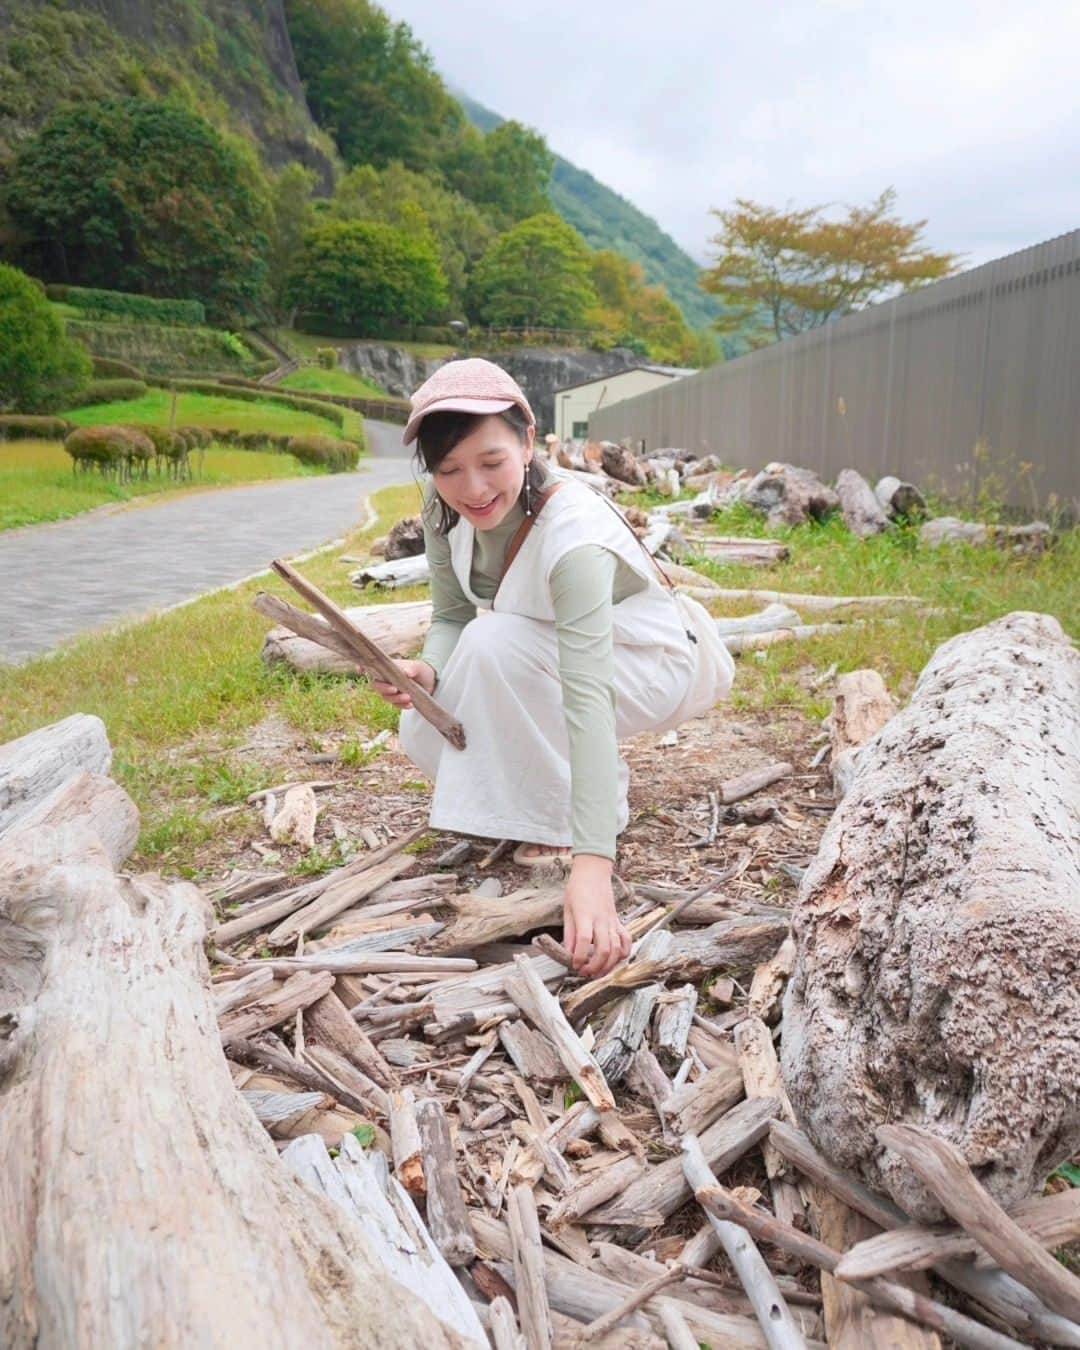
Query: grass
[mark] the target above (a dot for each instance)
(180, 692)
(306, 345)
(969, 586)
(204, 410)
(37, 483)
(314, 379)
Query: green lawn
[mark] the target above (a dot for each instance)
(306, 345)
(204, 410)
(314, 379)
(37, 483)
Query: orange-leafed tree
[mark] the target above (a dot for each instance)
(782, 272)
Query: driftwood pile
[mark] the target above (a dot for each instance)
(470, 1141)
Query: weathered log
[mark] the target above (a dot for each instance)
(338, 897)
(624, 1031)
(92, 800)
(529, 1268)
(480, 919)
(36, 764)
(938, 974)
(1035, 537)
(761, 1077)
(861, 707)
(674, 1018)
(694, 1106)
(308, 643)
(752, 642)
(394, 575)
(447, 1217)
(329, 1022)
(789, 495)
(277, 1005)
(90, 1193)
(735, 789)
(764, 621)
(863, 513)
(359, 1184)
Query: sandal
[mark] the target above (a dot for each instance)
(523, 858)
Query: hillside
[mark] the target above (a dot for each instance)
(231, 59)
(609, 221)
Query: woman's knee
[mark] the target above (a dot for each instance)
(508, 641)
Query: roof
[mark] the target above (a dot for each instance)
(671, 372)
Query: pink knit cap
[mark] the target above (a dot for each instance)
(472, 386)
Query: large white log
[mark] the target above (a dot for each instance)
(95, 801)
(938, 973)
(398, 629)
(36, 764)
(140, 1201)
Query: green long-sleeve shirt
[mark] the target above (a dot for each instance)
(585, 584)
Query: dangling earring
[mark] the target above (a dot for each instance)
(528, 492)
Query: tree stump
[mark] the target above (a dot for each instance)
(938, 973)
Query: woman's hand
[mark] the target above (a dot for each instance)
(592, 932)
(419, 671)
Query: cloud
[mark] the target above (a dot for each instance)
(968, 109)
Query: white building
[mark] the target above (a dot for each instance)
(575, 402)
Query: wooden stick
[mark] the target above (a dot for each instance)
(724, 1204)
(503, 1325)
(275, 1007)
(1052, 1220)
(405, 1142)
(679, 1336)
(530, 994)
(777, 1324)
(735, 789)
(674, 1019)
(760, 1069)
(373, 658)
(942, 1168)
(594, 1189)
(447, 1216)
(608, 1321)
(529, 1269)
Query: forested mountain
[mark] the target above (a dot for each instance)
(327, 113)
(607, 220)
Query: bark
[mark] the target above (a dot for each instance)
(92, 800)
(938, 975)
(124, 1136)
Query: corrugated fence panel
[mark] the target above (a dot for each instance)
(971, 383)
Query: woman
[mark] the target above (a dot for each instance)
(582, 645)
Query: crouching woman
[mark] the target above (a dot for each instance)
(553, 637)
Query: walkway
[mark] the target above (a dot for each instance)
(100, 569)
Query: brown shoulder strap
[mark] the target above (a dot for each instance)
(522, 531)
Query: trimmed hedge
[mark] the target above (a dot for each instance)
(106, 368)
(257, 394)
(129, 306)
(109, 391)
(327, 357)
(24, 427)
(111, 447)
(325, 451)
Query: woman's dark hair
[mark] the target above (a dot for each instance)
(440, 432)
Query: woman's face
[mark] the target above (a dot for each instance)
(482, 476)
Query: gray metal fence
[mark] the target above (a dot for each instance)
(972, 383)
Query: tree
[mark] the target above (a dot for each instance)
(632, 314)
(417, 205)
(41, 368)
(367, 274)
(536, 274)
(371, 84)
(505, 172)
(783, 272)
(142, 195)
(291, 215)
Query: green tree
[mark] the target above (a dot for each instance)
(371, 84)
(417, 205)
(505, 172)
(142, 195)
(364, 273)
(536, 274)
(41, 368)
(291, 215)
(631, 313)
(783, 272)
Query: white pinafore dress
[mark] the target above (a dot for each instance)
(512, 781)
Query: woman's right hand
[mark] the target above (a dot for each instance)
(419, 671)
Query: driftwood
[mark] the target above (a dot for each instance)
(95, 802)
(899, 500)
(446, 1213)
(674, 1018)
(802, 601)
(480, 919)
(735, 789)
(765, 621)
(777, 1324)
(395, 574)
(761, 1077)
(529, 1269)
(694, 1106)
(624, 1031)
(308, 643)
(861, 707)
(789, 495)
(35, 765)
(863, 513)
(181, 1154)
(938, 975)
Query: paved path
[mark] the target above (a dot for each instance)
(96, 570)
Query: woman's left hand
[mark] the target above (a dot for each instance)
(593, 934)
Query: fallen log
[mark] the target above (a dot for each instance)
(176, 1153)
(308, 643)
(900, 500)
(36, 764)
(938, 973)
(863, 513)
(94, 801)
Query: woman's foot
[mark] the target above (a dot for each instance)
(540, 855)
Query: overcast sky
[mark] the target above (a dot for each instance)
(970, 110)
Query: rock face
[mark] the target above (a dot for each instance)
(395, 369)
